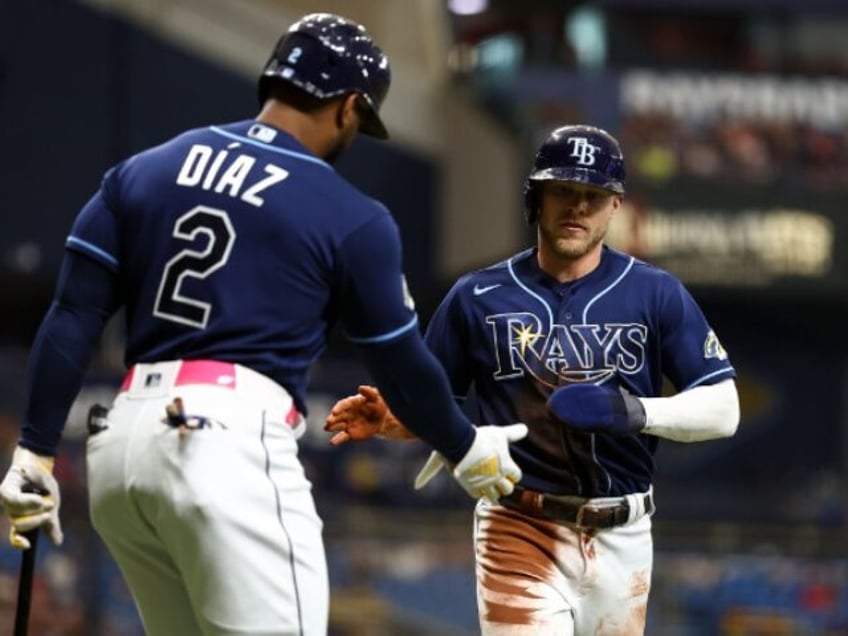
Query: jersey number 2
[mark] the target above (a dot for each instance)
(171, 303)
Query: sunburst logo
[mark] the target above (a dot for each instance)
(523, 336)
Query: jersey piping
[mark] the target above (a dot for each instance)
(92, 249)
(707, 377)
(391, 335)
(270, 148)
(531, 292)
(605, 291)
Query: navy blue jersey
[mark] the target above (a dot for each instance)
(516, 333)
(235, 243)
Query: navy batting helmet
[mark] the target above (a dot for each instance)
(327, 55)
(580, 154)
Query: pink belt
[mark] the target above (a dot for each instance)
(209, 372)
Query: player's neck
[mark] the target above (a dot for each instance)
(307, 128)
(567, 268)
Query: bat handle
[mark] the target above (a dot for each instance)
(25, 584)
(27, 572)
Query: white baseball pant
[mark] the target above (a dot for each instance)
(539, 577)
(215, 529)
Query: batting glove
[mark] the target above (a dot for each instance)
(29, 475)
(487, 469)
(597, 409)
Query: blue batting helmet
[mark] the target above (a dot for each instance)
(327, 55)
(580, 154)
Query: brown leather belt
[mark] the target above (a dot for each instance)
(577, 510)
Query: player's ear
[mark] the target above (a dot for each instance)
(347, 113)
(617, 201)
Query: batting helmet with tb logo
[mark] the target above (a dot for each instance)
(580, 154)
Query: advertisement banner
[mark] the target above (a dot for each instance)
(729, 236)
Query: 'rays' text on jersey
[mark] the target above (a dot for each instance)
(571, 353)
(227, 172)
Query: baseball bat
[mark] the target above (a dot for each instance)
(25, 579)
(25, 584)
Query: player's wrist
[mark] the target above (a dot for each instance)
(23, 456)
(634, 412)
(393, 428)
(455, 453)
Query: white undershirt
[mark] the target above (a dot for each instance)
(698, 414)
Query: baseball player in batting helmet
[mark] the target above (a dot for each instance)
(325, 56)
(577, 154)
(574, 338)
(234, 249)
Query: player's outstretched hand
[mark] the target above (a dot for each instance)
(597, 409)
(487, 469)
(363, 416)
(27, 477)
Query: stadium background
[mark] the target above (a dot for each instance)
(733, 115)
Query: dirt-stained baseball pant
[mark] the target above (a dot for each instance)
(214, 529)
(542, 577)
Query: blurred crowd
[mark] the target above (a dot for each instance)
(750, 595)
(661, 148)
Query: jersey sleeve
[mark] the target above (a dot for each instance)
(378, 314)
(449, 339)
(86, 297)
(692, 354)
(376, 305)
(95, 230)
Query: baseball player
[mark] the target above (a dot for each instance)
(574, 338)
(233, 250)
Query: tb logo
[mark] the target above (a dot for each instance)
(583, 151)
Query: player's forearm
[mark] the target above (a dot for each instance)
(701, 413)
(58, 360)
(86, 297)
(414, 386)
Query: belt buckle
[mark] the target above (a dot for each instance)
(581, 512)
(600, 513)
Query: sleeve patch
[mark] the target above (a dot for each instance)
(713, 348)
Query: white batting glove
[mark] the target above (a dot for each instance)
(487, 469)
(30, 510)
(429, 470)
